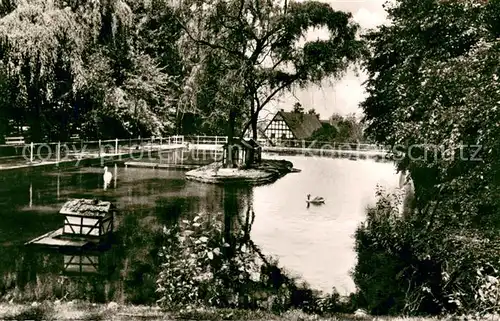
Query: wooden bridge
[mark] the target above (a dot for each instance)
(35, 154)
(295, 147)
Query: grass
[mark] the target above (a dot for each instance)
(83, 311)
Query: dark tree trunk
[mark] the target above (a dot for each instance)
(230, 138)
(254, 121)
(254, 129)
(232, 124)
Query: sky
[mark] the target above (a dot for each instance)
(340, 96)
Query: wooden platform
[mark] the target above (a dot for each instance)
(141, 164)
(162, 166)
(54, 239)
(178, 166)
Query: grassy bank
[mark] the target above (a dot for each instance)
(112, 311)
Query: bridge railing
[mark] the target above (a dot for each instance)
(11, 155)
(206, 140)
(307, 144)
(27, 153)
(220, 140)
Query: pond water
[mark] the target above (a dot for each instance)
(314, 243)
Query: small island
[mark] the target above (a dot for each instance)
(267, 171)
(242, 163)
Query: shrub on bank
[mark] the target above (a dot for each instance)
(205, 265)
(406, 267)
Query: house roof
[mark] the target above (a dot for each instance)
(86, 207)
(301, 125)
(252, 142)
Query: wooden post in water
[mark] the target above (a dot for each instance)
(58, 154)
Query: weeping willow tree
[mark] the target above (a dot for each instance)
(74, 66)
(261, 55)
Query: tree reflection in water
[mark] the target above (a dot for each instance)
(205, 258)
(206, 263)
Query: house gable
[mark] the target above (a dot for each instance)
(278, 128)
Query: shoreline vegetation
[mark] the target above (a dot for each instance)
(135, 68)
(79, 310)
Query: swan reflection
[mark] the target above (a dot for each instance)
(107, 177)
(31, 195)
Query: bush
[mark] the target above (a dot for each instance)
(406, 267)
(204, 267)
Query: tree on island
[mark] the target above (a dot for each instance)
(255, 43)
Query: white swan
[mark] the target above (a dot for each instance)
(317, 200)
(107, 177)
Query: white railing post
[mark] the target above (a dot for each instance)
(99, 152)
(32, 151)
(116, 146)
(197, 140)
(161, 140)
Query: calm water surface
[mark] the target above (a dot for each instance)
(315, 243)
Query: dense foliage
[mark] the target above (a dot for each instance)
(340, 129)
(83, 68)
(205, 264)
(125, 68)
(252, 48)
(433, 94)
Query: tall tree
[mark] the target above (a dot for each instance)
(83, 66)
(416, 96)
(258, 41)
(433, 96)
